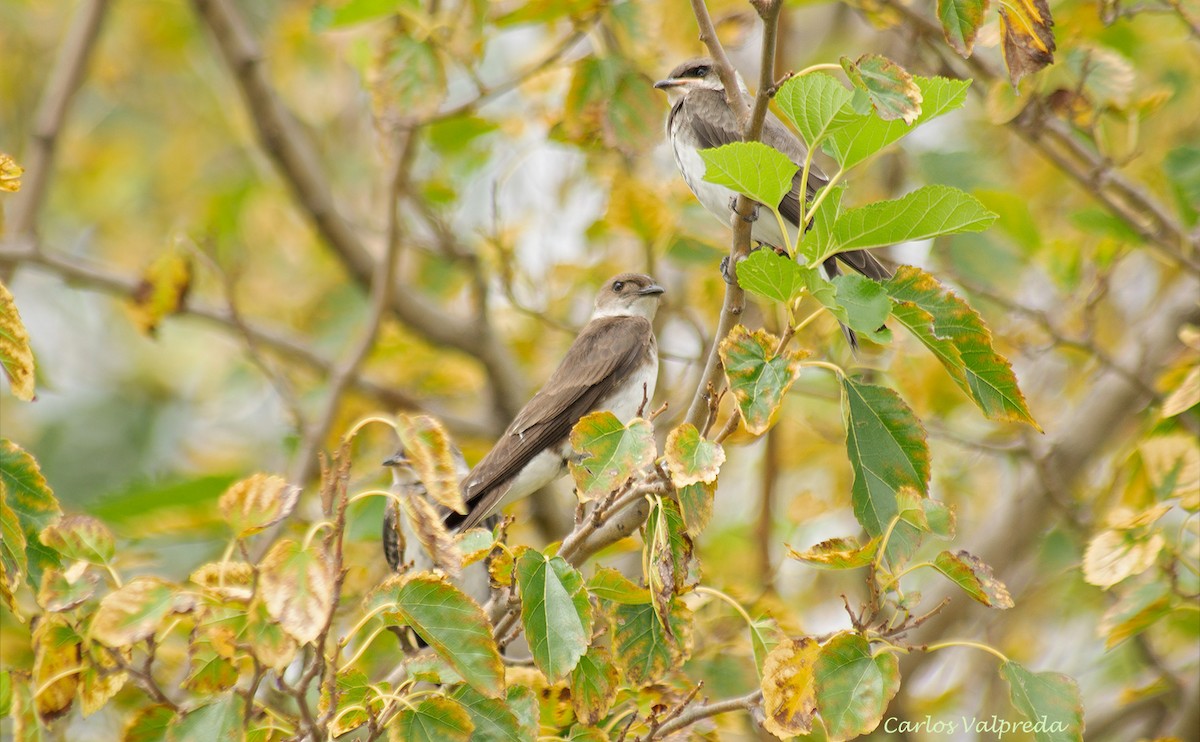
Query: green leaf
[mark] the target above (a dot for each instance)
(450, 622)
(1135, 612)
(866, 304)
(853, 688)
(433, 719)
(1049, 700)
(764, 636)
(758, 378)
(555, 612)
(886, 446)
(752, 169)
(353, 12)
(643, 649)
(769, 274)
(818, 240)
(5, 694)
(609, 584)
(888, 86)
(220, 721)
(493, 718)
(959, 339)
(691, 459)
(24, 489)
(150, 724)
(861, 135)
(812, 103)
(609, 452)
(354, 689)
(975, 577)
(961, 20)
(594, 684)
(927, 212)
(838, 553)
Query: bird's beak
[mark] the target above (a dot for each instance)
(664, 84)
(652, 290)
(396, 459)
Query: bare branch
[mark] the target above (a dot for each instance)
(298, 164)
(707, 710)
(78, 271)
(64, 80)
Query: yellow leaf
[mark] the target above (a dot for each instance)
(789, 694)
(1174, 455)
(56, 650)
(16, 357)
(10, 174)
(1112, 556)
(297, 586)
(1186, 395)
(227, 580)
(162, 291)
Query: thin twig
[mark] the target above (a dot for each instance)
(298, 163)
(707, 710)
(385, 274)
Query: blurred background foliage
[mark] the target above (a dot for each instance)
(539, 169)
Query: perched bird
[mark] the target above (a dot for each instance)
(413, 533)
(701, 118)
(612, 365)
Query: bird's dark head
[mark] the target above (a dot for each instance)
(628, 295)
(694, 74)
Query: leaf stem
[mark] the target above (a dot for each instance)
(963, 643)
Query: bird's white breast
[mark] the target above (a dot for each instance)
(715, 198)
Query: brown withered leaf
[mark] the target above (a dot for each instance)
(297, 586)
(257, 502)
(428, 446)
(434, 538)
(227, 580)
(1026, 38)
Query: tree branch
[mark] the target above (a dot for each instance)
(297, 162)
(64, 80)
(735, 298)
(707, 710)
(78, 271)
(1060, 143)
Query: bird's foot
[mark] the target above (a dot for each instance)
(725, 271)
(751, 217)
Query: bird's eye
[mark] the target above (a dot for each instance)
(618, 285)
(701, 71)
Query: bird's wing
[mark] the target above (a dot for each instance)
(595, 365)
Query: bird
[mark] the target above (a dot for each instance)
(611, 365)
(700, 118)
(412, 533)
